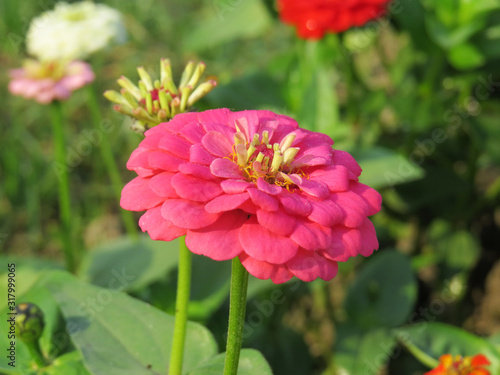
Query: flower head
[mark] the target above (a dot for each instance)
(153, 102)
(459, 365)
(74, 31)
(48, 81)
(314, 18)
(253, 184)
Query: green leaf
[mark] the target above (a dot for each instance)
(129, 265)
(209, 286)
(362, 352)
(448, 37)
(28, 272)
(117, 334)
(383, 168)
(68, 364)
(252, 362)
(466, 56)
(436, 339)
(232, 20)
(319, 107)
(459, 250)
(384, 292)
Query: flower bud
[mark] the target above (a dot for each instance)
(152, 102)
(29, 322)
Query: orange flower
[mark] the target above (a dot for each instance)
(459, 365)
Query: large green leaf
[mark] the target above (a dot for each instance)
(28, 272)
(383, 167)
(231, 21)
(129, 265)
(436, 339)
(362, 352)
(252, 362)
(209, 286)
(117, 334)
(68, 364)
(383, 293)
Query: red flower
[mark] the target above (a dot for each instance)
(314, 18)
(253, 184)
(459, 365)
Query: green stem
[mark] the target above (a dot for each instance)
(181, 309)
(36, 354)
(423, 357)
(109, 161)
(237, 305)
(67, 231)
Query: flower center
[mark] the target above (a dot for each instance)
(75, 15)
(46, 69)
(261, 159)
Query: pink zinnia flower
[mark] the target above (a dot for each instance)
(49, 81)
(253, 184)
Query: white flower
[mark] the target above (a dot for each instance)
(74, 31)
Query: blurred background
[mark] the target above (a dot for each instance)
(413, 96)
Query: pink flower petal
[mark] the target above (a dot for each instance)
(263, 200)
(353, 206)
(195, 189)
(345, 243)
(313, 188)
(369, 241)
(193, 132)
(309, 266)
(175, 145)
(187, 214)
(336, 177)
(346, 159)
(225, 168)
(217, 144)
(268, 188)
(164, 160)
(198, 155)
(196, 170)
(326, 213)
(137, 196)
(235, 186)
(261, 244)
(249, 207)
(277, 222)
(311, 236)
(220, 240)
(161, 185)
(157, 227)
(372, 197)
(139, 159)
(225, 202)
(295, 204)
(262, 270)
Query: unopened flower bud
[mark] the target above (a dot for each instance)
(29, 322)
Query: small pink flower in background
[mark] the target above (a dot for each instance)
(253, 184)
(49, 81)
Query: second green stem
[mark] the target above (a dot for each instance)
(181, 309)
(67, 231)
(237, 307)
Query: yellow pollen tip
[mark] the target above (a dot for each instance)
(265, 137)
(287, 142)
